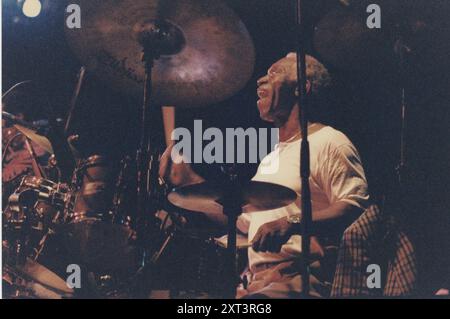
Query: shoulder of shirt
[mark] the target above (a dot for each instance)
(330, 139)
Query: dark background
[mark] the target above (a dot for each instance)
(366, 108)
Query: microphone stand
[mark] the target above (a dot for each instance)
(304, 151)
(402, 51)
(73, 101)
(155, 41)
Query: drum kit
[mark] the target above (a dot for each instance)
(183, 53)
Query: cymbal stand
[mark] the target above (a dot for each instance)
(304, 150)
(153, 40)
(232, 208)
(402, 50)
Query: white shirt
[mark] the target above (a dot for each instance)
(336, 175)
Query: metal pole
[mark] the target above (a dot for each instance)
(304, 150)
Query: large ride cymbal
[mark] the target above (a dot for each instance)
(343, 39)
(208, 198)
(211, 54)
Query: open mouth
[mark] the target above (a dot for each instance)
(262, 93)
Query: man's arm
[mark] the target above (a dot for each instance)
(339, 215)
(342, 179)
(271, 236)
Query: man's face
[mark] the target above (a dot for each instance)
(276, 90)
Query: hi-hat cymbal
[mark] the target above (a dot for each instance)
(40, 140)
(211, 54)
(208, 198)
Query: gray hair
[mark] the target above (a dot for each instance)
(318, 75)
(321, 93)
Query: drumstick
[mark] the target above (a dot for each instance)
(168, 114)
(224, 243)
(250, 244)
(73, 101)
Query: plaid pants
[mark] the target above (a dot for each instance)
(375, 238)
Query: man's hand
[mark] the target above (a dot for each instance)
(271, 236)
(177, 174)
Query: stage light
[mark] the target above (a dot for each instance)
(31, 8)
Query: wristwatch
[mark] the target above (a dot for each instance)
(295, 221)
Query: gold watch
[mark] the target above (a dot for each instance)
(294, 219)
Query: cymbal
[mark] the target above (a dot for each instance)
(343, 39)
(208, 197)
(211, 54)
(44, 276)
(40, 140)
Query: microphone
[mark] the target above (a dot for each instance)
(45, 123)
(16, 120)
(34, 125)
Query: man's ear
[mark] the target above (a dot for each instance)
(291, 55)
(308, 88)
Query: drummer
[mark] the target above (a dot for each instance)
(339, 191)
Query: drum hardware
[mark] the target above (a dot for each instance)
(101, 232)
(120, 213)
(73, 101)
(303, 119)
(9, 143)
(65, 160)
(55, 194)
(34, 211)
(232, 208)
(230, 199)
(53, 142)
(17, 120)
(175, 43)
(12, 182)
(155, 39)
(30, 204)
(17, 229)
(37, 169)
(171, 54)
